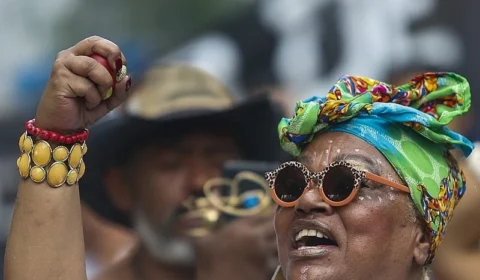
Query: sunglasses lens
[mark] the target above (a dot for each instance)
(338, 183)
(290, 183)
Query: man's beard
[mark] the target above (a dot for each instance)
(161, 243)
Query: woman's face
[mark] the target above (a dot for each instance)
(376, 236)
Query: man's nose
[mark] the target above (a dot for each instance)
(199, 172)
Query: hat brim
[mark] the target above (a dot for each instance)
(255, 123)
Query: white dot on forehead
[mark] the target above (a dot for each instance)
(391, 196)
(327, 151)
(361, 198)
(338, 151)
(357, 150)
(330, 141)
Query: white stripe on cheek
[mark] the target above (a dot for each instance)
(304, 270)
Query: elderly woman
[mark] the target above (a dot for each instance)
(374, 184)
(369, 196)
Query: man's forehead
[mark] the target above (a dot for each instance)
(193, 140)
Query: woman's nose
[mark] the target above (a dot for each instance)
(311, 201)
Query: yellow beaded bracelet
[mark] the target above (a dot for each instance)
(58, 166)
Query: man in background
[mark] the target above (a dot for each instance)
(178, 129)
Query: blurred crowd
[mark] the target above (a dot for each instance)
(235, 56)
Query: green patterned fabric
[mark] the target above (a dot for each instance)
(407, 124)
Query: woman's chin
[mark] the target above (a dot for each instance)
(318, 267)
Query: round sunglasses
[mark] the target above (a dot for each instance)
(338, 184)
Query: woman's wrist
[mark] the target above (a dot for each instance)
(51, 157)
(77, 136)
(41, 121)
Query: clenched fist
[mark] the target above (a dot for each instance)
(74, 97)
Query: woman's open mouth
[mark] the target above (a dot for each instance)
(311, 239)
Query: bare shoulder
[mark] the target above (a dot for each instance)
(467, 212)
(119, 271)
(471, 168)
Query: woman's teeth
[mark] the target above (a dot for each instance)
(309, 232)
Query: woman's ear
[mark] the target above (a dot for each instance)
(422, 245)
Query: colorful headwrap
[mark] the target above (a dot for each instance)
(407, 124)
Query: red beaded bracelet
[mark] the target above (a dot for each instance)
(55, 137)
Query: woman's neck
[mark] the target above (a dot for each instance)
(415, 273)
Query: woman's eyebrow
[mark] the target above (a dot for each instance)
(305, 159)
(371, 165)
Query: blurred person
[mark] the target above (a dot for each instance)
(182, 126)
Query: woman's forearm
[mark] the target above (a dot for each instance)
(46, 238)
(46, 242)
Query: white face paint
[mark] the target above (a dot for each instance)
(304, 270)
(378, 161)
(368, 197)
(361, 198)
(357, 150)
(391, 196)
(338, 151)
(379, 199)
(330, 141)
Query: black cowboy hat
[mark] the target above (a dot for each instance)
(172, 100)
